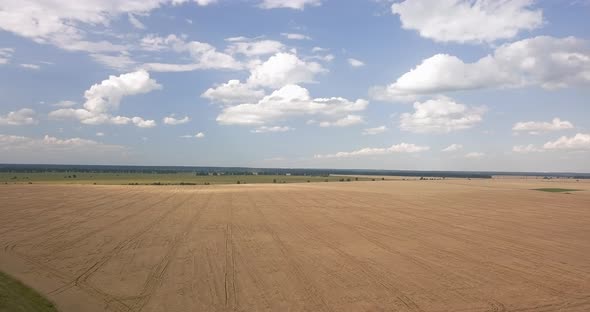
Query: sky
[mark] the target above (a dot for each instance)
(411, 84)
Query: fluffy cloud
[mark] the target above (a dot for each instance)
(355, 63)
(200, 2)
(25, 116)
(290, 100)
(254, 48)
(27, 149)
(474, 155)
(104, 98)
(277, 71)
(580, 141)
(233, 92)
(282, 69)
(543, 61)
(204, 55)
(525, 149)
(119, 62)
(348, 120)
(199, 135)
(173, 121)
(265, 129)
(30, 66)
(372, 151)
(5, 55)
(60, 22)
(440, 115)
(468, 20)
(452, 148)
(295, 36)
(135, 22)
(374, 131)
(536, 127)
(64, 103)
(288, 4)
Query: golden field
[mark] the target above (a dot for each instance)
(446, 245)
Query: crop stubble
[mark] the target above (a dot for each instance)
(454, 245)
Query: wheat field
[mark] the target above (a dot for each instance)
(452, 245)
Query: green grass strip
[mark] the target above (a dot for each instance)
(17, 297)
(555, 190)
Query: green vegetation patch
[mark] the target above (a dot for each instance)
(16, 297)
(555, 190)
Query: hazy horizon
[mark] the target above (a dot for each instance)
(447, 85)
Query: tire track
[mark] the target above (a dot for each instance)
(313, 294)
(158, 274)
(70, 244)
(396, 292)
(68, 226)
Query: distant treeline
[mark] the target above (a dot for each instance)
(16, 168)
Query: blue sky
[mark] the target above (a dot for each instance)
(414, 84)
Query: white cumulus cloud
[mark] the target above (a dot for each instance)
(288, 4)
(374, 151)
(173, 121)
(289, 101)
(203, 55)
(375, 130)
(265, 129)
(468, 20)
(543, 61)
(536, 127)
(474, 155)
(30, 66)
(233, 92)
(64, 103)
(199, 135)
(24, 116)
(295, 36)
(104, 98)
(525, 149)
(355, 63)
(135, 22)
(255, 47)
(580, 141)
(282, 69)
(453, 148)
(440, 115)
(5, 55)
(348, 120)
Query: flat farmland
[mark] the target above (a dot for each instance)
(453, 245)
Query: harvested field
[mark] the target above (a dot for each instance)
(455, 245)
